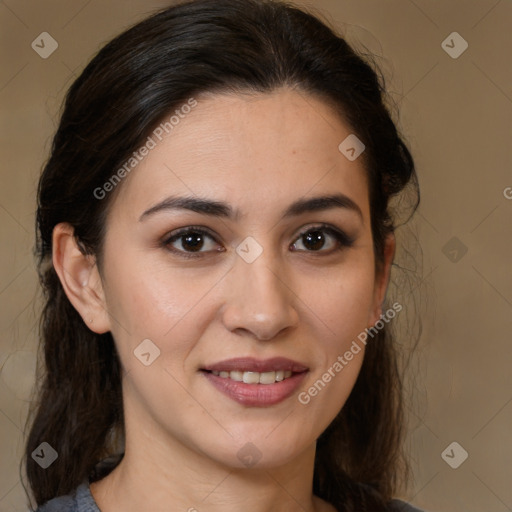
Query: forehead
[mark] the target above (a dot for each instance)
(260, 151)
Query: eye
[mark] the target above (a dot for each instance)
(191, 239)
(189, 242)
(314, 239)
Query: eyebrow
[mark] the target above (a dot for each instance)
(224, 210)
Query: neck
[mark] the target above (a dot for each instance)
(169, 476)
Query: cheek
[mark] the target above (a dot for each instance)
(340, 299)
(145, 304)
(341, 306)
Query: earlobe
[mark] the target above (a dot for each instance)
(80, 279)
(382, 279)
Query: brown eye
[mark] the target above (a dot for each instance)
(316, 238)
(188, 241)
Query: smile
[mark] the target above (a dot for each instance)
(256, 383)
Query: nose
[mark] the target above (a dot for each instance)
(259, 299)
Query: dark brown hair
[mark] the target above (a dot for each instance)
(124, 92)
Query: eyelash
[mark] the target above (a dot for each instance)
(342, 238)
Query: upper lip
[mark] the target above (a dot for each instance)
(250, 364)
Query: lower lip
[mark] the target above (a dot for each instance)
(256, 395)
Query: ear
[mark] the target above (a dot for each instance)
(382, 278)
(79, 276)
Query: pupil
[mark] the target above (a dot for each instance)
(193, 241)
(315, 239)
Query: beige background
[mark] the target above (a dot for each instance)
(457, 117)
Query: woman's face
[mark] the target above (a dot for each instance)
(259, 292)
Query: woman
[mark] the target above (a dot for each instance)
(215, 244)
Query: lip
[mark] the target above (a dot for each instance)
(256, 395)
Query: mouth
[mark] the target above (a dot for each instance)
(254, 382)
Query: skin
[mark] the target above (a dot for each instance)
(259, 153)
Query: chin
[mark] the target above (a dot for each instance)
(261, 450)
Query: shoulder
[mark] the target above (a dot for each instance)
(401, 506)
(65, 503)
(80, 500)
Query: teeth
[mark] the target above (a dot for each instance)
(267, 378)
(251, 377)
(255, 377)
